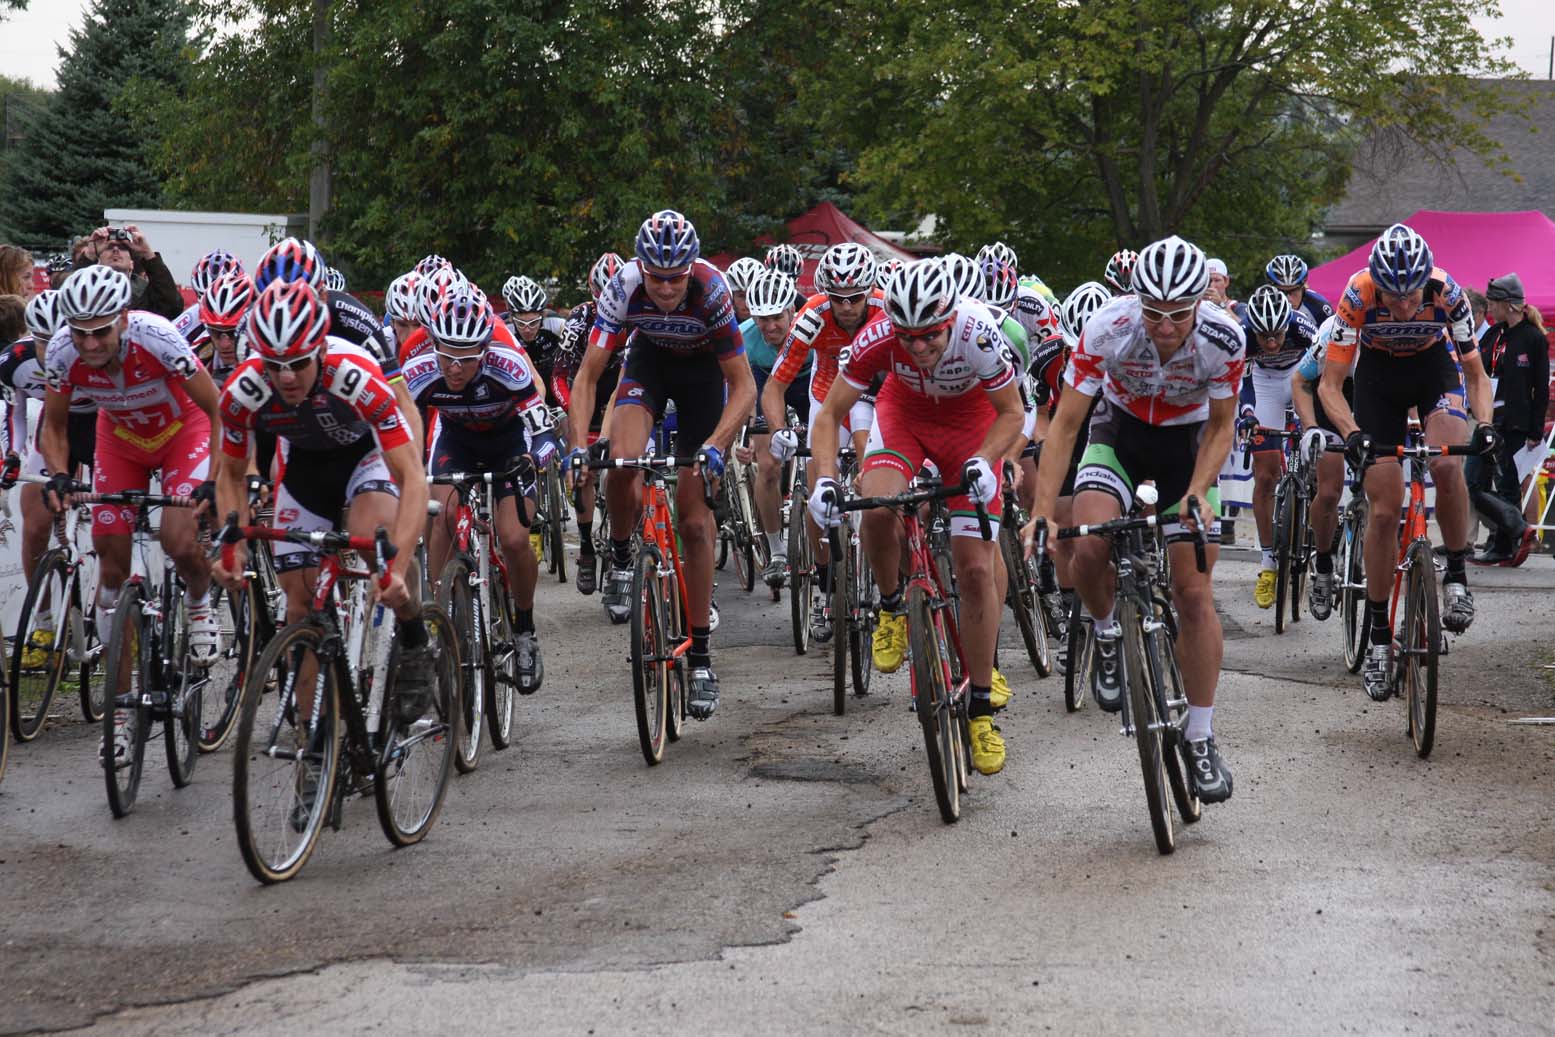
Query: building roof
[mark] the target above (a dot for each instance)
(1393, 178)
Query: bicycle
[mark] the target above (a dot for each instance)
(57, 627)
(1418, 641)
(551, 518)
(1350, 573)
(337, 662)
(1154, 704)
(739, 531)
(800, 576)
(938, 662)
(661, 635)
(474, 590)
(1025, 579)
(1293, 547)
(854, 605)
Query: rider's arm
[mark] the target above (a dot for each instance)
(583, 385)
(410, 476)
(232, 484)
(54, 436)
(1330, 390)
(737, 405)
(772, 405)
(840, 399)
(1004, 434)
(412, 413)
(1214, 447)
(1302, 398)
(202, 390)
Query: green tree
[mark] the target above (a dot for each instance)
(21, 104)
(83, 154)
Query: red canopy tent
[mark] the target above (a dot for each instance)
(1473, 247)
(816, 231)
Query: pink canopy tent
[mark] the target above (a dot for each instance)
(1473, 247)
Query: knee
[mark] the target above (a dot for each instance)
(1447, 474)
(696, 531)
(1194, 600)
(975, 573)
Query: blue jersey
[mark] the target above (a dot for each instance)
(1299, 335)
(1317, 307)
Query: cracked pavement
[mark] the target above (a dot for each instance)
(786, 870)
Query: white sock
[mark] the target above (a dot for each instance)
(1108, 625)
(1268, 560)
(775, 545)
(1199, 722)
(203, 601)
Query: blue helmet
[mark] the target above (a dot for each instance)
(667, 240)
(1400, 261)
(1286, 271)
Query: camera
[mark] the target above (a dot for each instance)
(119, 234)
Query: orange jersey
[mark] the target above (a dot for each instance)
(1364, 321)
(816, 329)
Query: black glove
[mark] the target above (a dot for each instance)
(10, 469)
(1357, 449)
(599, 450)
(1485, 440)
(60, 485)
(204, 493)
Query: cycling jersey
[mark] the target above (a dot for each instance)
(702, 325)
(352, 321)
(145, 402)
(544, 350)
(975, 358)
(349, 406)
(1317, 307)
(194, 332)
(1038, 316)
(22, 373)
(501, 401)
(817, 332)
(1366, 323)
(1116, 358)
(1299, 334)
(1312, 362)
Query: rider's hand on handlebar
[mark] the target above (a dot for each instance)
(978, 479)
(56, 492)
(1485, 439)
(10, 471)
(1313, 442)
(395, 593)
(710, 462)
(785, 444)
(823, 503)
(1357, 449)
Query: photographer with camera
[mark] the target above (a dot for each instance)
(125, 249)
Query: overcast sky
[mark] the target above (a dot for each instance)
(28, 40)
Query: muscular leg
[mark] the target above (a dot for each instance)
(1384, 498)
(37, 523)
(181, 543)
(1325, 500)
(881, 531)
(976, 580)
(630, 428)
(1266, 472)
(1452, 494)
(1090, 563)
(440, 531)
(697, 537)
(1199, 642)
(523, 566)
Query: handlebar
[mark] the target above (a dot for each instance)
(379, 546)
(1126, 524)
(905, 502)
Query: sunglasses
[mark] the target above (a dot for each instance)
(531, 324)
(847, 300)
(459, 361)
(666, 278)
(222, 332)
(1181, 315)
(294, 365)
(111, 243)
(99, 332)
(924, 334)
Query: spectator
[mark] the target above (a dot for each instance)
(1519, 361)
(13, 319)
(1219, 291)
(16, 272)
(1477, 311)
(125, 249)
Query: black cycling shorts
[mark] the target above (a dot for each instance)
(1125, 452)
(653, 377)
(459, 450)
(1386, 387)
(318, 479)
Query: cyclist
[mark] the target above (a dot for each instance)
(785, 259)
(687, 349)
(771, 300)
(575, 338)
(949, 397)
(822, 331)
(1119, 273)
(222, 309)
(1411, 327)
(399, 308)
(885, 270)
(1289, 274)
(343, 442)
(491, 411)
(1320, 434)
(740, 275)
(207, 269)
(1276, 338)
(538, 335)
(1166, 369)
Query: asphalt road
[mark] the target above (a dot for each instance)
(786, 870)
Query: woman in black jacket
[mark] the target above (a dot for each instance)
(1519, 361)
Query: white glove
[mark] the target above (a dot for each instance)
(1313, 442)
(823, 503)
(785, 444)
(977, 477)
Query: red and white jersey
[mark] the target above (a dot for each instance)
(350, 400)
(975, 361)
(1116, 358)
(146, 397)
(816, 329)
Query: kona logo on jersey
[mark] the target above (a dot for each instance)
(1352, 298)
(673, 327)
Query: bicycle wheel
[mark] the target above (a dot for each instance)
(502, 650)
(556, 511)
(650, 649)
(842, 627)
(1022, 597)
(931, 693)
(284, 767)
(1352, 573)
(125, 719)
(1147, 729)
(801, 564)
(1421, 638)
(38, 655)
(1300, 554)
(456, 597)
(1167, 676)
(244, 626)
(864, 617)
(1283, 540)
(184, 685)
(1077, 676)
(416, 761)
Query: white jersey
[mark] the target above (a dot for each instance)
(976, 360)
(1036, 315)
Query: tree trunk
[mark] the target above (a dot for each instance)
(319, 177)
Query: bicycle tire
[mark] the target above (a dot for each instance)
(257, 781)
(410, 781)
(32, 690)
(502, 651)
(249, 630)
(123, 683)
(1164, 656)
(931, 693)
(1301, 555)
(5, 725)
(184, 688)
(861, 625)
(1421, 637)
(556, 504)
(456, 597)
(1143, 715)
(1352, 600)
(801, 564)
(650, 692)
(1022, 597)
(1077, 674)
(675, 712)
(842, 627)
(1282, 550)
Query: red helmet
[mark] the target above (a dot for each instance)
(288, 320)
(226, 301)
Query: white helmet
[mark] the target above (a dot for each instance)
(464, 318)
(400, 299)
(847, 267)
(94, 291)
(1078, 307)
(523, 295)
(785, 258)
(334, 280)
(965, 274)
(770, 294)
(884, 271)
(430, 289)
(920, 295)
(743, 273)
(43, 316)
(1171, 270)
(999, 252)
(602, 271)
(1267, 309)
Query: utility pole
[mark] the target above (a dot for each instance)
(319, 178)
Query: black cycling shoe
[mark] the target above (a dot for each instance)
(1211, 777)
(702, 691)
(531, 670)
(588, 572)
(413, 679)
(1375, 675)
(775, 573)
(1108, 683)
(618, 594)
